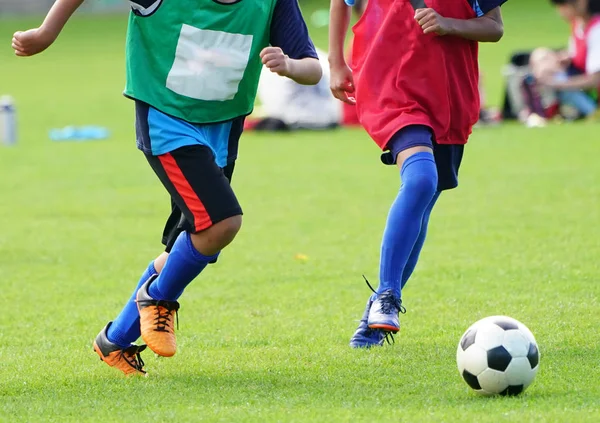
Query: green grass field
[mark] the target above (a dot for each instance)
(263, 336)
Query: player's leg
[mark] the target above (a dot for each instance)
(201, 190)
(125, 329)
(413, 147)
(416, 251)
(128, 330)
(114, 343)
(198, 179)
(447, 160)
(364, 336)
(585, 105)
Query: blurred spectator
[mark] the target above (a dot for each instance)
(573, 74)
(548, 66)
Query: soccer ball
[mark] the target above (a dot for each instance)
(498, 355)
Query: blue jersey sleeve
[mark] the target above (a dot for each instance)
(289, 31)
(481, 7)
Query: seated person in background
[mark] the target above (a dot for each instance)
(287, 105)
(549, 65)
(577, 71)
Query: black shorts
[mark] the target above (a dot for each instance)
(448, 157)
(201, 194)
(200, 188)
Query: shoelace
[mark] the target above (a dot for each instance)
(389, 335)
(387, 301)
(389, 304)
(163, 318)
(136, 359)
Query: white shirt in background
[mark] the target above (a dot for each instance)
(592, 62)
(299, 106)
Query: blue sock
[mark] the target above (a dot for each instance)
(419, 185)
(126, 327)
(414, 255)
(181, 268)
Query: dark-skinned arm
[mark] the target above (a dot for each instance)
(487, 28)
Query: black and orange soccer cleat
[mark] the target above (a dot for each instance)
(156, 321)
(127, 360)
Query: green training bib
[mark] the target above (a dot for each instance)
(198, 60)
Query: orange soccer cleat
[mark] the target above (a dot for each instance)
(156, 321)
(127, 360)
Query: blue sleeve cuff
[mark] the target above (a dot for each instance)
(481, 7)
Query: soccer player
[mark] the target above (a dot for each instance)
(414, 80)
(192, 69)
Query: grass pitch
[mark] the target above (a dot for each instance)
(263, 334)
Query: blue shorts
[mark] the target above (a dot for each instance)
(447, 156)
(158, 133)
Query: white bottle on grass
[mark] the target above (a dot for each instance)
(8, 121)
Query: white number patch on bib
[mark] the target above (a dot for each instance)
(209, 65)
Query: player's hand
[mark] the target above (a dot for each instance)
(432, 22)
(564, 58)
(276, 61)
(31, 42)
(342, 83)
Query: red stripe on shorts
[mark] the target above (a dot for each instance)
(202, 219)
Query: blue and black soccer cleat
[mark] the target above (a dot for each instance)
(384, 312)
(365, 337)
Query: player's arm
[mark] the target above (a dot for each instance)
(39, 39)
(292, 53)
(578, 82)
(486, 28)
(339, 20)
(305, 71)
(342, 82)
(564, 58)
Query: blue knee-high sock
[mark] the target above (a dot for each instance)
(414, 255)
(419, 184)
(182, 266)
(126, 327)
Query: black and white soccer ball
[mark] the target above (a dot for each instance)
(498, 355)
